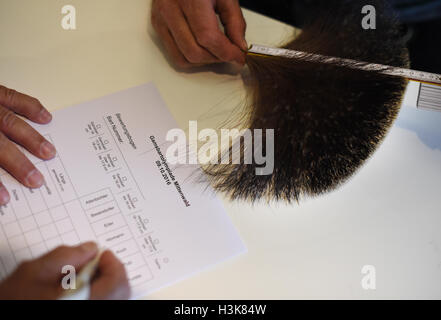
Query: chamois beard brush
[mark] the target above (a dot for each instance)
(327, 119)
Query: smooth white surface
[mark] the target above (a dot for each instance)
(388, 215)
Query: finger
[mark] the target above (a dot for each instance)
(23, 134)
(194, 53)
(4, 195)
(51, 264)
(15, 162)
(169, 43)
(205, 28)
(232, 18)
(111, 281)
(24, 105)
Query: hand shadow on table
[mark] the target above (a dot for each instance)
(218, 68)
(425, 123)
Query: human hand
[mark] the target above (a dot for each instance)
(42, 278)
(190, 31)
(12, 128)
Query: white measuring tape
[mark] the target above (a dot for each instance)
(420, 76)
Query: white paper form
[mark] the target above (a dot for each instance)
(108, 183)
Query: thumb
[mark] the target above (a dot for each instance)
(234, 23)
(111, 280)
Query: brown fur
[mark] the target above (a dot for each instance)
(327, 119)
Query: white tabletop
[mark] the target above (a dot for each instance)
(387, 216)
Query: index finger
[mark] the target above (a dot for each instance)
(24, 105)
(20, 167)
(204, 25)
(51, 264)
(233, 21)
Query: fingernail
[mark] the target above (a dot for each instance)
(47, 149)
(34, 179)
(89, 246)
(244, 45)
(45, 115)
(4, 195)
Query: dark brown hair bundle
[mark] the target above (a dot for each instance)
(327, 119)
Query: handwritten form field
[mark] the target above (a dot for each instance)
(108, 184)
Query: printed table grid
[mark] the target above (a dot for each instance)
(36, 229)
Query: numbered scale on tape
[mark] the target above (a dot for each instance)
(430, 83)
